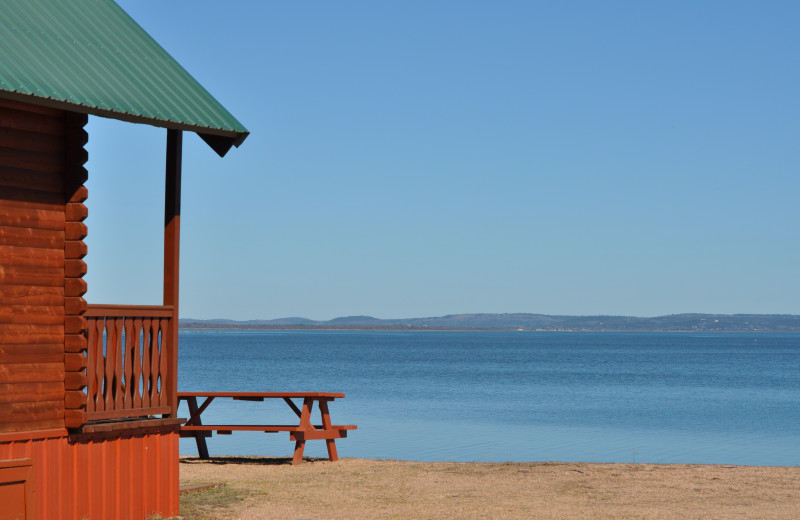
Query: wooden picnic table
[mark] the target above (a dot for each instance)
(299, 433)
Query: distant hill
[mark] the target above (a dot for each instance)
(673, 322)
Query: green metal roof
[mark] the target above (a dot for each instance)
(89, 56)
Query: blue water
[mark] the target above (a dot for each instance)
(724, 398)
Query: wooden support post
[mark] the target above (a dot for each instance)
(305, 424)
(199, 437)
(327, 425)
(172, 235)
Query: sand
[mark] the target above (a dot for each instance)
(270, 488)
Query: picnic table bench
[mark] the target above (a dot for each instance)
(299, 433)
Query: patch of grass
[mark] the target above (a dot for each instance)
(208, 504)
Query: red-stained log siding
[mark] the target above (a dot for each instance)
(129, 477)
(33, 168)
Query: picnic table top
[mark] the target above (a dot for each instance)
(329, 395)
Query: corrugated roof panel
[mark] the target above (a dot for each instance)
(90, 56)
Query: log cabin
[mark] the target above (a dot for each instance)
(88, 393)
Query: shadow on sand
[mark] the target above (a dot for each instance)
(259, 461)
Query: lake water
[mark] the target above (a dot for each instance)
(725, 398)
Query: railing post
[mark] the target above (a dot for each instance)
(172, 233)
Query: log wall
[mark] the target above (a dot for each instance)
(42, 330)
(33, 164)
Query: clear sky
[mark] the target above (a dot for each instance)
(417, 158)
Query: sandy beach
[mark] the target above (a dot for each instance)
(270, 488)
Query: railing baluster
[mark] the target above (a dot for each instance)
(119, 353)
(146, 354)
(100, 363)
(166, 347)
(137, 363)
(155, 363)
(127, 365)
(91, 383)
(111, 359)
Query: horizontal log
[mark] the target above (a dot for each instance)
(76, 211)
(75, 249)
(31, 411)
(74, 324)
(32, 218)
(75, 120)
(29, 237)
(31, 315)
(17, 353)
(74, 362)
(31, 256)
(75, 231)
(74, 418)
(26, 392)
(76, 156)
(75, 400)
(28, 358)
(79, 194)
(26, 295)
(75, 343)
(28, 107)
(74, 268)
(74, 305)
(32, 276)
(75, 135)
(75, 380)
(32, 141)
(49, 424)
(33, 161)
(76, 176)
(37, 181)
(19, 119)
(32, 199)
(33, 373)
(10, 330)
(74, 287)
(29, 337)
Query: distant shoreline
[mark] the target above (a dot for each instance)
(688, 322)
(443, 329)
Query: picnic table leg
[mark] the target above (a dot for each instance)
(305, 424)
(199, 438)
(326, 425)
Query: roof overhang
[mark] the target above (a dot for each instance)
(89, 56)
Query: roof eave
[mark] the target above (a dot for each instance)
(221, 140)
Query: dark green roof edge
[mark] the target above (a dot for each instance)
(89, 56)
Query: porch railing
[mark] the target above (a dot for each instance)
(129, 361)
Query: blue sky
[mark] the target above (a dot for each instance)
(426, 158)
